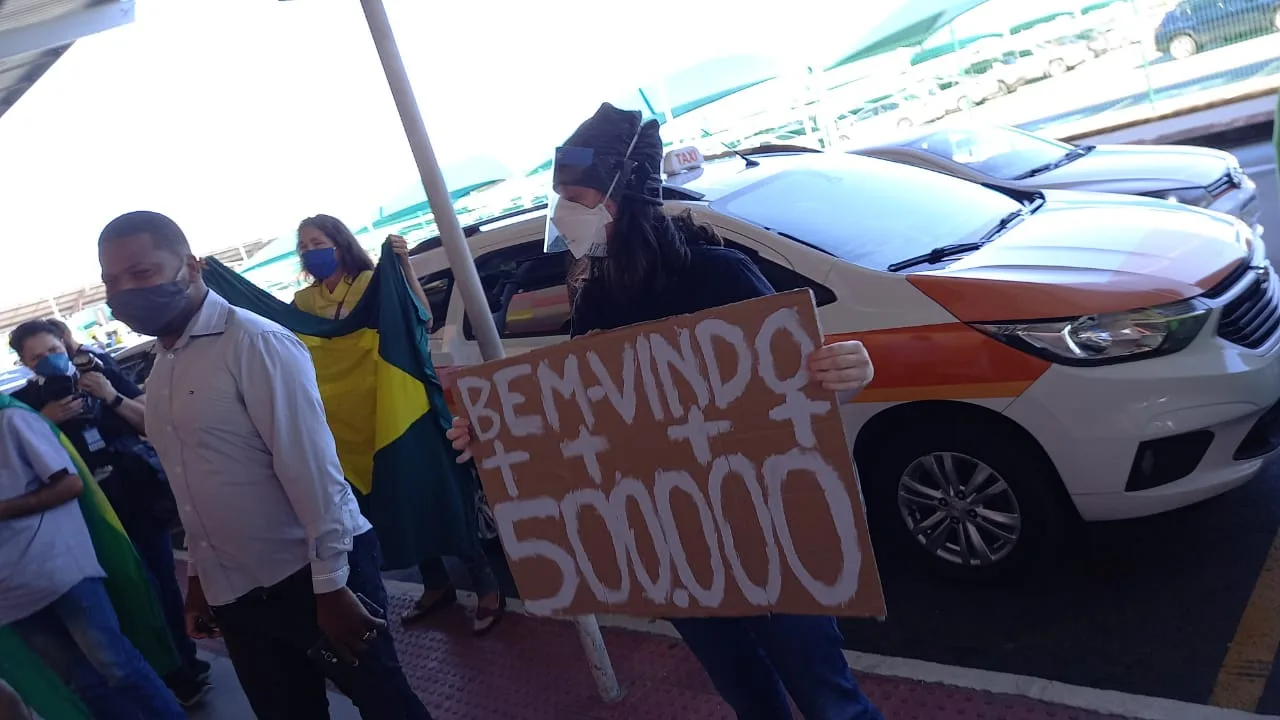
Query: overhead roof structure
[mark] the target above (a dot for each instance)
(35, 33)
(73, 301)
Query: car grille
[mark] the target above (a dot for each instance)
(1252, 317)
(1230, 180)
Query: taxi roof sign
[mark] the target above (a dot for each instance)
(682, 160)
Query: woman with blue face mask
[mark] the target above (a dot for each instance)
(342, 270)
(340, 267)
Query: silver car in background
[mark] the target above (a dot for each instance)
(999, 155)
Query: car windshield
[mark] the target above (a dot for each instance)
(997, 152)
(866, 211)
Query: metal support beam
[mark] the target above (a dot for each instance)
(451, 236)
(64, 29)
(464, 270)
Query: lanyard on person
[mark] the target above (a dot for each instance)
(337, 314)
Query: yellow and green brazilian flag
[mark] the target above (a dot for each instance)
(386, 409)
(128, 584)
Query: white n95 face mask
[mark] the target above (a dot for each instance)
(583, 228)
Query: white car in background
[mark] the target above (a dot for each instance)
(1044, 60)
(903, 110)
(995, 154)
(946, 95)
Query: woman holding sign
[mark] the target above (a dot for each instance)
(342, 270)
(635, 264)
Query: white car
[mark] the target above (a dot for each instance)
(1039, 355)
(904, 110)
(995, 154)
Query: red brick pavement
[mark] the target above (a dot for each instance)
(534, 669)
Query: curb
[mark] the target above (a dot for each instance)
(1107, 702)
(1252, 111)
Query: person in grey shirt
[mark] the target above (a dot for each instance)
(51, 586)
(283, 564)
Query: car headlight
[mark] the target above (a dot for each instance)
(1195, 197)
(1107, 338)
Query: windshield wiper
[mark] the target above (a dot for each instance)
(1070, 156)
(938, 254)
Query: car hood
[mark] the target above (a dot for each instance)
(1137, 169)
(1085, 253)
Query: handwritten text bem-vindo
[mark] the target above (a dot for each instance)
(685, 467)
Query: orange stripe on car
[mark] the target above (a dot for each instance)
(949, 361)
(974, 298)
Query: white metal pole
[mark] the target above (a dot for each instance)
(451, 237)
(464, 270)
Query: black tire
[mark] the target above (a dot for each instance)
(1032, 480)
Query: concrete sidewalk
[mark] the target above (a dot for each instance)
(534, 669)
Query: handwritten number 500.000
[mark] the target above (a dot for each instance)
(717, 533)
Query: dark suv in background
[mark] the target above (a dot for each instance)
(1197, 24)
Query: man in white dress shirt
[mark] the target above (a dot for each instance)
(282, 562)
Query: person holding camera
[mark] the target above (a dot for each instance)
(98, 409)
(75, 347)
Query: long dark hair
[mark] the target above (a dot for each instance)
(352, 259)
(647, 250)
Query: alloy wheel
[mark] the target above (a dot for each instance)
(959, 509)
(1182, 47)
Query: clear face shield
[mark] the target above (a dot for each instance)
(574, 226)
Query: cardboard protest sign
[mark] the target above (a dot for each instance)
(678, 468)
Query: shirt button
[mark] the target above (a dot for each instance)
(187, 508)
(170, 356)
(204, 544)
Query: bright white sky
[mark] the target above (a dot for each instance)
(240, 117)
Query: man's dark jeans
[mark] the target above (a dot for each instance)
(754, 662)
(269, 631)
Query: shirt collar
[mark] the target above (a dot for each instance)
(210, 319)
(346, 282)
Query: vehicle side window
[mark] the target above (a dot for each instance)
(438, 286)
(783, 278)
(526, 291)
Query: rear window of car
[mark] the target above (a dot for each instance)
(866, 211)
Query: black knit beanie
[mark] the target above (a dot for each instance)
(608, 133)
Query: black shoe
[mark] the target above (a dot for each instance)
(188, 690)
(200, 670)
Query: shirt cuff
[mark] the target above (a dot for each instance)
(329, 575)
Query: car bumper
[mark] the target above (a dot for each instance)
(1196, 417)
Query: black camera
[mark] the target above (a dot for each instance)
(58, 388)
(85, 361)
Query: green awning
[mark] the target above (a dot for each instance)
(913, 22)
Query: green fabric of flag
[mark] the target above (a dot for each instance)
(128, 585)
(386, 409)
